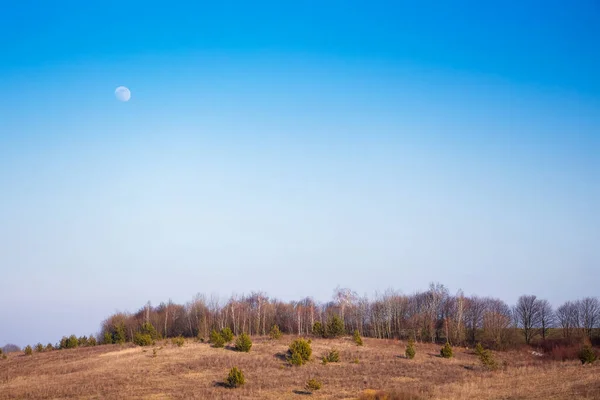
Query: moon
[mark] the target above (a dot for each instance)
(122, 93)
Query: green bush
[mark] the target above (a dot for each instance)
(235, 378)
(318, 329)
(479, 349)
(39, 347)
(487, 359)
(28, 350)
(108, 339)
(119, 336)
(357, 339)
(70, 342)
(142, 339)
(227, 334)
(332, 356)
(92, 341)
(178, 341)
(335, 327)
(300, 351)
(410, 351)
(243, 343)
(49, 347)
(313, 385)
(275, 333)
(587, 355)
(82, 341)
(149, 329)
(216, 339)
(446, 351)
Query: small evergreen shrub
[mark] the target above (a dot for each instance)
(92, 341)
(296, 359)
(410, 351)
(318, 329)
(49, 347)
(28, 350)
(356, 338)
(479, 349)
(69, 343)
(178, 341)
(227, 334)
(119, 336)
(275, 333)
(216, 339)
(108, 339)
(235, 378)
(39, 347)
(587, 355)
(313, 385)
(149, 329)
(486, 357)
(446, 351)
(332, 356)
(142, 339)
(82, 341)
(355, 361)
(335, 327)
(243, 343)
(300, 351)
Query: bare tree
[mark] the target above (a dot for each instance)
(527, 315)
(589, 314)
(547, 318)
(567, 316)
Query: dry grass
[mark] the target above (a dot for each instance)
(195, 371)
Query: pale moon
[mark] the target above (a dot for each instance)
(122, 93)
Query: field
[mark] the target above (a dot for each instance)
(196, 371)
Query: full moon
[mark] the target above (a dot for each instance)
(122, 93)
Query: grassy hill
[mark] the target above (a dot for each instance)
(197, 370)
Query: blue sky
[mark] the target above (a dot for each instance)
(363, 144)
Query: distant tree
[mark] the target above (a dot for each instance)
(149, 329)
(567, 316)
(39, 347)
(275, 333)
(317, 329)
(547, 317)
(28, 350)
(108, 338)
(589, 314)
(11, 348)
(528, 316)
(335, 327)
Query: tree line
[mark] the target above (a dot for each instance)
(434, 315)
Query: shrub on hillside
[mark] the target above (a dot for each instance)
(49, 347)
(227, 334)
(28, 350)
(335, 327)
(235, 378)
(178, 341)
(83, 341)
(410, 351)
(39, 348)
(142, 339)
(243, 343)
(446, 351)
(313, 385)
(486, 357)
(318, 329)
(108, 339)
(216, 339)
(148, 329)
(275, 333)
(333, 356)
(119, 336)
(356, 338)
(587, 355)
(92, 341)
(299, 352)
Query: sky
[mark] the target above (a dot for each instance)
(291, 148)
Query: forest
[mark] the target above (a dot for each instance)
(433, 315)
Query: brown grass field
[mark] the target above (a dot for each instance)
(196, 370)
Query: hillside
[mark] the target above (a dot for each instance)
(196, 370)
